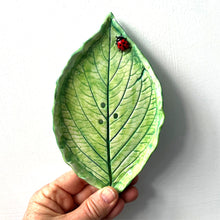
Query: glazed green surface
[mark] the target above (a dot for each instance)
(108, 110)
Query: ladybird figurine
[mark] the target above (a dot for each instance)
(122, 43)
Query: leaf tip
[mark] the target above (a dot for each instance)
(111, 16)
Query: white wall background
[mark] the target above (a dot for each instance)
(181, 40)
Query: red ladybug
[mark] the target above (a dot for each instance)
(122, 43)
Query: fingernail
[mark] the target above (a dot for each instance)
(108, 195)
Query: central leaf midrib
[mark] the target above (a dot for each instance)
(107, 118)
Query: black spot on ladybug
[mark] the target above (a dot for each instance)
(122, 43)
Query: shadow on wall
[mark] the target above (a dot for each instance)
(171, 140)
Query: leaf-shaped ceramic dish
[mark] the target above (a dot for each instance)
(108, 110)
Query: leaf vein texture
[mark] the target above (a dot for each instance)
(93, 95)
(82, 151)
(83, 136)
(87, 116)
(129, 115)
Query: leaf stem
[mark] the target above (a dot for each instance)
(107, 124)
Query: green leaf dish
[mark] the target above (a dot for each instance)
(108, 110)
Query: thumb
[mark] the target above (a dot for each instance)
(97, 206)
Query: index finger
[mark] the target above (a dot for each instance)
(70, 182)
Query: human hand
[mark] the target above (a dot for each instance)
(71, 198)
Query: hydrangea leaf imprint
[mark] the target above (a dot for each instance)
(108, 109)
